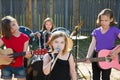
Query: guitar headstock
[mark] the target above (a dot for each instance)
(40, 51)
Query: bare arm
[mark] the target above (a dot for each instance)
(47, 62)
(91, 48)
(1, 42)
(38, 35)
(26, 48)
(72, 68)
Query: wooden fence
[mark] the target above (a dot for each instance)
(65, 13)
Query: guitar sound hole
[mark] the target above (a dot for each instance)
(107, 59)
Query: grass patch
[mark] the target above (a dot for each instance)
(81, 48)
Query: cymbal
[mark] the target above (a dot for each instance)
(78, 37)
(77, 28)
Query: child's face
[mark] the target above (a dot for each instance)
(59, 43)
(48, 25)
(14, 26)
(105, 21)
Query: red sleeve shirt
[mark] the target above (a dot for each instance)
(17, 45)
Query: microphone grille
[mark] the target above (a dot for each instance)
(58, 49)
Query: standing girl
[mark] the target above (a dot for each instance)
(18, 42)
(103, 38)
(59, 64)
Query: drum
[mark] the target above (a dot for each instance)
(25, 30)
(28, 32)
(62, 29)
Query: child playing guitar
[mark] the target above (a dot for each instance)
(103, 37)
(18, 42)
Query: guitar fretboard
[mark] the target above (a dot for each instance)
(13, 55)
(94, 59)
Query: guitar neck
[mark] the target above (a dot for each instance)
(14, 55)
(93, 59)
(37, 52)
(97, 59)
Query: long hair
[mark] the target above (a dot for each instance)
(44, 22)
(6, 28)
(107, 12)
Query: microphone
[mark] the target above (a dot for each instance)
(58, 49)
(55, 54)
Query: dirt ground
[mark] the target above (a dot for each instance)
(85, 72)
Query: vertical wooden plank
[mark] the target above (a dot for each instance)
(23, 16)
(60, 20)
(75, 12)
(51, 8)
(55, 20)
(43, 10)
(0, 10)
(66, 13)
(20, 19)
(63, 22)
(35, 14)
(39, 23)
(11, 7)
(70, 20)
(29, 14)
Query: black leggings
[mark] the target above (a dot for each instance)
(35, 72)
(98, 72)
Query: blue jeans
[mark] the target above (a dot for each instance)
(8, 71)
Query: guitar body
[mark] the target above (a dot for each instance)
(5, 52)
(106, 64)
(9, 51)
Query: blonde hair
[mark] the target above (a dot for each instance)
(56, 35)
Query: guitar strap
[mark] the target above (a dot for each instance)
(69, 55)
(95, 54)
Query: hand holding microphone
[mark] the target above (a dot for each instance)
(56, 53)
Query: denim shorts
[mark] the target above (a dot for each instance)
(8, 71)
